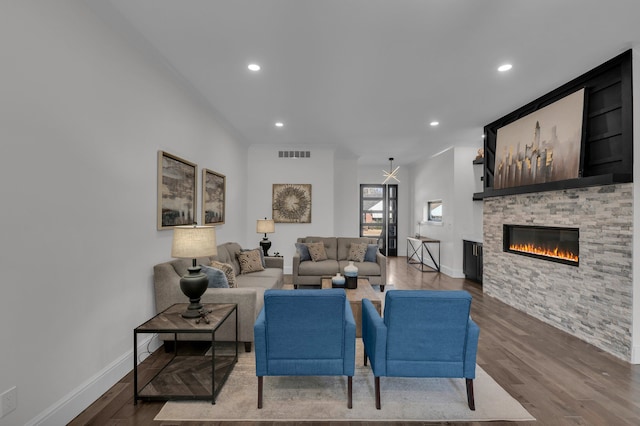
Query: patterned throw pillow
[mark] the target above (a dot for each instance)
(217, 278)
(249, 261)
(228, 271)
(317, 251)
(357, 252)
(264, 264)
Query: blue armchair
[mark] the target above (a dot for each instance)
(305, 333)
(424, 333)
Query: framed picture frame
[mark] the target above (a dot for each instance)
(291, 203)
(213, 197)
(544, 146)
(176, 191)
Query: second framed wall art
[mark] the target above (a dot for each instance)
(213, 197)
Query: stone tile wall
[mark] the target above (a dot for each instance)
(593, 301)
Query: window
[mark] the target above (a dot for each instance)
(434, 211)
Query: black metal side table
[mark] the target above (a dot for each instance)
(187, 377)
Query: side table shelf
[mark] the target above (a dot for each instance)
(187, 377)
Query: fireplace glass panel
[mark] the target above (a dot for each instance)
(548, 243)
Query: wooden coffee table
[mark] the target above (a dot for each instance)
(355, 296)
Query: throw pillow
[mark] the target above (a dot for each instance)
(317, 251)
(217, 278)
(304, 251)
(372, 252)
(264, 265)
(228, 271)
(249, 261)
(357, 252)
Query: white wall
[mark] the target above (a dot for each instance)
(82, 116)
(449, 176)
(265, 169)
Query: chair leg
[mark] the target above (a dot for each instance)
(377, 380)
(350, 392)
(470, 398)
(260, 391)
(365, 358)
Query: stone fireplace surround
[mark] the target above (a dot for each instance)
(593, 301)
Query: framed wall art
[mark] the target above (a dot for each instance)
(213, 197)
(291, 203)
(544, 146)
(176, 191)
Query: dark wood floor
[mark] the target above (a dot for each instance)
(559, 379)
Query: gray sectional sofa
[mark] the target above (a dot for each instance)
(308, 272)
(248, 294)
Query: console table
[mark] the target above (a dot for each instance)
(187, 376)
(416, 249)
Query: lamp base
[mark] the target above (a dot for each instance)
(193, 285)
(266, 245)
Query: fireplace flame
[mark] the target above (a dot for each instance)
(555, 253)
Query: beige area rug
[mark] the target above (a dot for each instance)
(325, 398)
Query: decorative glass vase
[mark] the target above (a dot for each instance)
(351, 270)
(338, 280)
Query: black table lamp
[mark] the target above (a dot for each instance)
(191, 242)
(265, 226)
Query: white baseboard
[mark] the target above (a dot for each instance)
(72, 404)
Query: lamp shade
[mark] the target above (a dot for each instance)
(190, 242)
(265, 226)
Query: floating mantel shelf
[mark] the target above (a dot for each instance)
(608, 179)
(478, 161)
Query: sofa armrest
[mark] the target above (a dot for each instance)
(260, 344)
(166, 291)
(381, 260)
(274, 262)
(249, 301)
(473, 334)
(296, 266)
(374, 337)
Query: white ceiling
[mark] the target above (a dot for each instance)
(366, 77)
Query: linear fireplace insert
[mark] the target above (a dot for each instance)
(543, 242)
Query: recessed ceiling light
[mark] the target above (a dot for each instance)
(505, 67)
(254, 67)
(279, 124)
(434, 123)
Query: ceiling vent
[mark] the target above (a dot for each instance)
(294, 154)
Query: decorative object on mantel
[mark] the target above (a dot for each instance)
(213, 197)
(351, 274)
(291, 203)
(543, 146)
(480, 155)
(392, 173)
(191, 242)
(265, 226)
(176, 191)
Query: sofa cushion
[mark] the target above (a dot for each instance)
(228, 271)
(327, 267)
(317, 251)
(344, 245)
(365, 269)
(217, 278)
(264, 264)
(303, 250)
(372, 253)
(250, 261)
(357, 252)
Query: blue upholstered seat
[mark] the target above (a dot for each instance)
(424, 333)
(305, 333)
